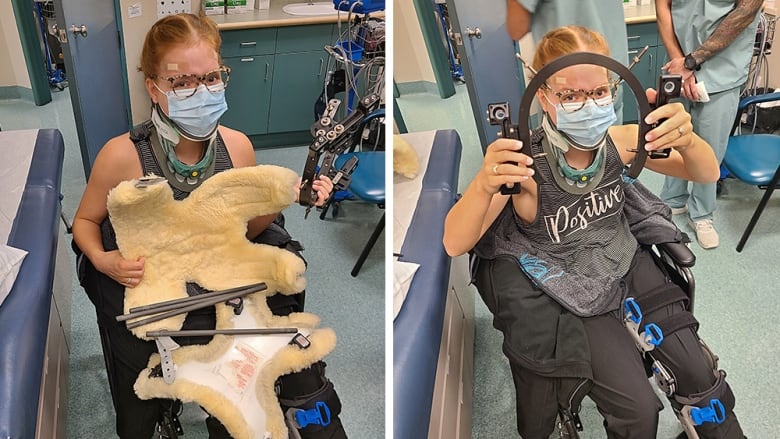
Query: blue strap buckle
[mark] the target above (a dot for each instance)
(653, 334)
(715, 413)
(319, 415)
(647, 337)
(632, 310)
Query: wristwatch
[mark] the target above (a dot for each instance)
(690, 63)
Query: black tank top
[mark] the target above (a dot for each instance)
(141, 137)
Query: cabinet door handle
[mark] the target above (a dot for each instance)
(267, 71)
(634, 37)
(320, 72)
(250, 59)
(248, 43)
(633, 52)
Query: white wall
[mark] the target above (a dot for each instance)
(13, 70)
(134, 30)
(411, 62)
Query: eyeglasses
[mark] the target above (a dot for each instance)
(574, 100)
(184, 86)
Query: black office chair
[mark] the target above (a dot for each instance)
(754, 159)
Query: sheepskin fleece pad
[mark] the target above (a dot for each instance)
(202, 239)
(405, 160)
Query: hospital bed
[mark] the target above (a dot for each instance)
(35, 315)
(433, 330)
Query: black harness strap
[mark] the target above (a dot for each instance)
(675, 322)
(660, 297)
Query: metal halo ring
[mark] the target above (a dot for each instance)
(495, 169)
(630, 80)
(681, 131)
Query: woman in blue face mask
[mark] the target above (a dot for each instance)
(555, 262)
(182, 141)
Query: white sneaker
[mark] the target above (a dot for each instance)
(680, 210)
(705, 233)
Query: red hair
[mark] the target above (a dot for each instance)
(174, 30)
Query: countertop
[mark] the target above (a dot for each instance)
(275, 17)
(640, 13)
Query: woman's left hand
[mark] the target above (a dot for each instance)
(323, 186)
(675, 132)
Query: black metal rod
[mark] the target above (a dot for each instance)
(155, 308)
(260, 285)
(208, 332)
(184, 309)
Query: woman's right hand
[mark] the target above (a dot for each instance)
(126, 272)
(504, 164)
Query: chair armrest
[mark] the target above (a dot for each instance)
(678, 252)
(747, 101)
(757, 99)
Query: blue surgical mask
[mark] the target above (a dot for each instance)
(198, 115)
(587, 126)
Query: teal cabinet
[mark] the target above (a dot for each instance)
(248, 42)
(298, 81)
(299, 78)
(248, 93)
(648, 68)
(304, 38)
(250, 55)
(276, 76)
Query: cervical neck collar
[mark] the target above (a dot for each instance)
(580, 175)
(575, 181)
(562, 141)
(183, 176)
(172, 131)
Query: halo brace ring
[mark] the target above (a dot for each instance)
(498, 114)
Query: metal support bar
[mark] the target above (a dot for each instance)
(186, 300)
(211, 332)
(193, 305)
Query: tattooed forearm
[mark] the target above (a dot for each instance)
(738, 19)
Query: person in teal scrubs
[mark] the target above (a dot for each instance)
(603, 16)
(709, 43)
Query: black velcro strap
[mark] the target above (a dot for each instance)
(660, 297)
(141, 131)
(303, 392)
(720, 391)
(677, 321)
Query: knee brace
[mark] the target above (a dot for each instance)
(649, 334)
(710, 406)
(310, 404)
